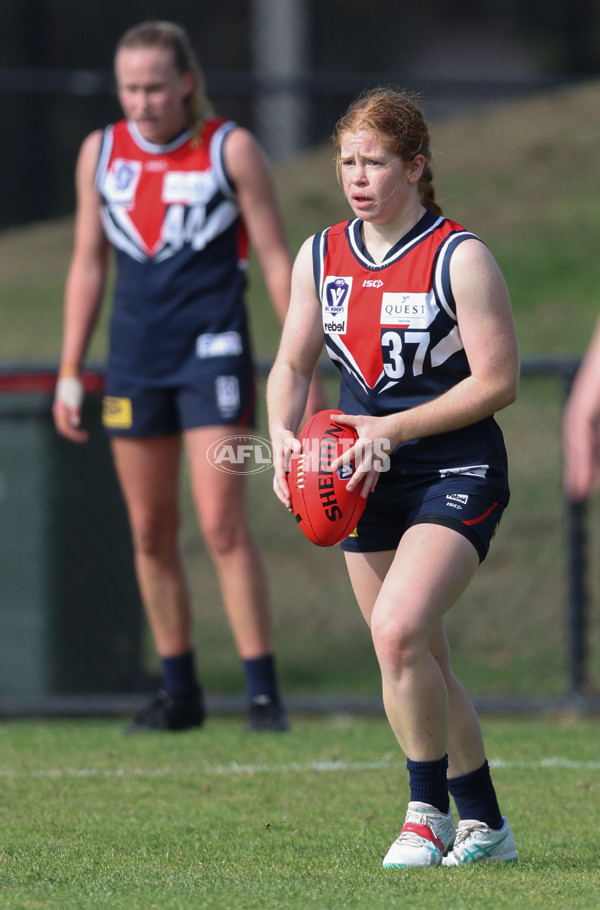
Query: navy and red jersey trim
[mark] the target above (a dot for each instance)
(406, 301)
(172, 215)
(391, 329)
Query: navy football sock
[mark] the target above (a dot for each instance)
(260, 677)
(475, 797)
(428, 782)
(179, 675)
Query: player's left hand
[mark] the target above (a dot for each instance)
(369, 454)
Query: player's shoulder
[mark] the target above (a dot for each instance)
(215, 123)
(93, 141)
(89, 152)
(336, 230)
(239, 139)
(243, 155)
(456, 240)
(448, 224)
(333, 232)
(305, 253)
(454, 232)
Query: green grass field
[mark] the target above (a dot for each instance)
(220, 819)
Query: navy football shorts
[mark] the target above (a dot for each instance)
(454, 503)
(133, 409)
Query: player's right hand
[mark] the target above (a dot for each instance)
(284, 444)
(66, 410)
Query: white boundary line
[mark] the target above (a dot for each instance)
(234, 769)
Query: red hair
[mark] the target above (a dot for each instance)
(398, 122)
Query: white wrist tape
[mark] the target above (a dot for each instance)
(69, 391)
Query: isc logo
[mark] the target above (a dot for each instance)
(372, 283)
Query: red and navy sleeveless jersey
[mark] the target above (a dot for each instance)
(391, 329)
(170, 211)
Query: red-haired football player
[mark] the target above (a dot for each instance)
(416, 315)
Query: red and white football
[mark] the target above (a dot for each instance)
(324, 509)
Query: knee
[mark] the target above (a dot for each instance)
(397, 646)
(154, 533)
(223, 535)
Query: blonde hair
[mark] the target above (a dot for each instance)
(396, 119)
(171, 37)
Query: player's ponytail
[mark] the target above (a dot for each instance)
(427, 191)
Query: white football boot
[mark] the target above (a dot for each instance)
(425, 838)
(478, 843)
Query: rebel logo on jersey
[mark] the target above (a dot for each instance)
(336, 294)
(408, 303)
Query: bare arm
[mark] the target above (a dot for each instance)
(581, 426)
(249, 169)
(488, 335)
(290, 377)
(84, 288)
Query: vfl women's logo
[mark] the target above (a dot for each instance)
(336, 294)
(124, 174)
(122, 180)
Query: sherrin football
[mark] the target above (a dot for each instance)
(324, 509)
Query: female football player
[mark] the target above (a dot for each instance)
(416, 315)
(177, 192)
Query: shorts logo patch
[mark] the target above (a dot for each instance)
(221, 344)
(458, 497)
(117, 413)
(470, 470)
(228, 395)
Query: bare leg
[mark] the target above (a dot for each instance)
(466, 751)
(221, 507)
(148, 474)
(404, 599)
